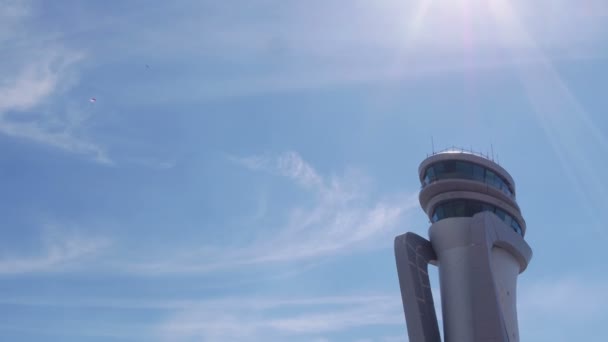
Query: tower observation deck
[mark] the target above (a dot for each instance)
(476, 239)
(457, 183)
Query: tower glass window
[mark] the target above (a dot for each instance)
(458, 169)
(468, 208)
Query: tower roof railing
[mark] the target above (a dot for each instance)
(455, 149)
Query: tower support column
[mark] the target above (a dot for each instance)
(479, 261)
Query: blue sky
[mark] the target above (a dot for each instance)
(247, 164)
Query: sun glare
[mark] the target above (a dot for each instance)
(471, 26)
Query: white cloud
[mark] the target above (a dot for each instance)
(230, 303)
(283, 319)
(289, 165)
(243, 318)
(21, 106)
(343, 219)
(34, 77)
(546, 308)
(63, 140)
(30, 86)
(59, 253)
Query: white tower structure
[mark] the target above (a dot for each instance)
(476, 241)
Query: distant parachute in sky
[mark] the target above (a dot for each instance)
(92, 100)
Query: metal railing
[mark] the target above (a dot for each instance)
(455, 149)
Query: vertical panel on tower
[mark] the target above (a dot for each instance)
(413, 254)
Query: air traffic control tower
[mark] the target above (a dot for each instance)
(476, 240)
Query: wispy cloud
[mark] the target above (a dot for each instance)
(569, 302)
(289, 165)
(31, 105)
(34, 83)
(21, 107)
(238, 318)
(344, 213)
(284, 319)
(228, 303)
(60, 252)
(343, 219)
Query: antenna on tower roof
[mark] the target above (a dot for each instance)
(432, 145)
(492, 149)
